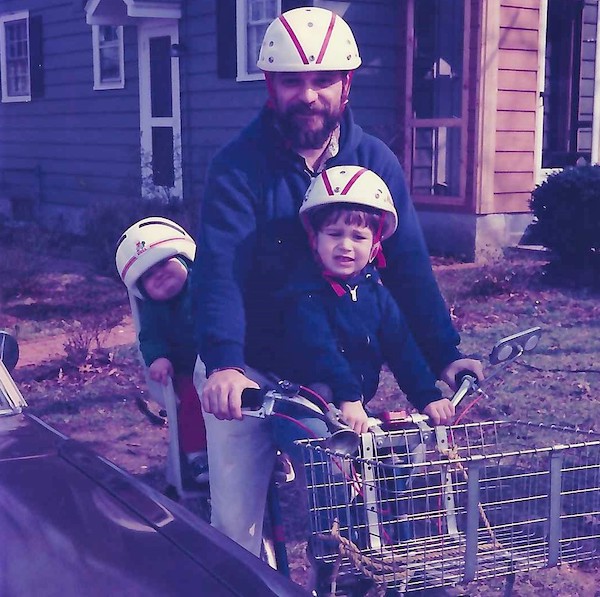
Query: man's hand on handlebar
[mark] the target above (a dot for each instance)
(222, 393)
(441, 412)
(354, 415)
(449, 374)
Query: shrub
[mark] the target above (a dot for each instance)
(566, 208)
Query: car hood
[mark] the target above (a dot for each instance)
(72, 523)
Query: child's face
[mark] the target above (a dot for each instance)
(164, 280)
(344, 248)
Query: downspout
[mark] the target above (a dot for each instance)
(539, 176)
(596, 108)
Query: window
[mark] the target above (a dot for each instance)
(14, 57)
(569, 82)
(436, 115)
(253, 18)
(109, 67)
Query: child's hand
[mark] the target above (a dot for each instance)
(161, 370)
(441, 412)
(355, 416)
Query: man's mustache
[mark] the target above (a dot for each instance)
(304, 110)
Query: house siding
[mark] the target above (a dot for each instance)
(84, 144)
(517, 80)
(80, 146)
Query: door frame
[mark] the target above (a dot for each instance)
(146, 30)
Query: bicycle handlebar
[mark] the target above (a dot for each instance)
(262, 402)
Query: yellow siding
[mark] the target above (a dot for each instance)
(517, 81)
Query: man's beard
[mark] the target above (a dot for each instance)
(302, 138)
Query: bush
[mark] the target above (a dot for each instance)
(567, 215)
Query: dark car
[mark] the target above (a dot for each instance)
(74, 524)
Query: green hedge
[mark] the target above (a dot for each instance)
(566, 209)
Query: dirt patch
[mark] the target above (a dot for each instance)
(97, 399)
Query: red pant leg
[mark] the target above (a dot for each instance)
(190, 420)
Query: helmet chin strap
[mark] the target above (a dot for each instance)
(377, 250)
(346, 90)
(270, 90)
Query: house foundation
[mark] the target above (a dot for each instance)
(473, 237)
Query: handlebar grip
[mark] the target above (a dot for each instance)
(253, 398)
(464, 374)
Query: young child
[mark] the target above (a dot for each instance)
(342, 324)
(154, 259)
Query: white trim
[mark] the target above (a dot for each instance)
(156, 10)
(539, 174)
(132, 10)
(98, 83)
(146, 30)
(7, 18)
(241, 37)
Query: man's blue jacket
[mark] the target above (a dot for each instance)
(250, 238)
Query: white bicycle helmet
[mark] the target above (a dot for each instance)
(308, 39)
(148, 242)
(351, 185)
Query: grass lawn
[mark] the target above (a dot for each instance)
(94, 398)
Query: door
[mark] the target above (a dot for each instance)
(160, 119)
(437, 82)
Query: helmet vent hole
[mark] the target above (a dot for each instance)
(270, 58)
(271, 44)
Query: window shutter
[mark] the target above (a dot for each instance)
(226, 36)
(36, 56)
(289, 4)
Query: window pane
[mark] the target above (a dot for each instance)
(255, 37)
(256, 10)
(438, 59)
(436, 161)
(163, 169)
(161, 99)
(17, 58)
(110, 66)
(260, 13)
(108, 33)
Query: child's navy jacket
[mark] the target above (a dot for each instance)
(343, 341)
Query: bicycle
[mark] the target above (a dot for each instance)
(417, 507)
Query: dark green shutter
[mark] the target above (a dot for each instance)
(289, 4)
(226, 39)
(36, 57)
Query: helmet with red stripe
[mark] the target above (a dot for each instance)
(308, 39)
(145, 244)
(353, 186)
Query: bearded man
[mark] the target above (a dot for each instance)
(250, 238)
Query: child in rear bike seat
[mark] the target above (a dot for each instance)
(342, 324)
(154, 258)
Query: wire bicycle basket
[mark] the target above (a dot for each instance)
(421, 508)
